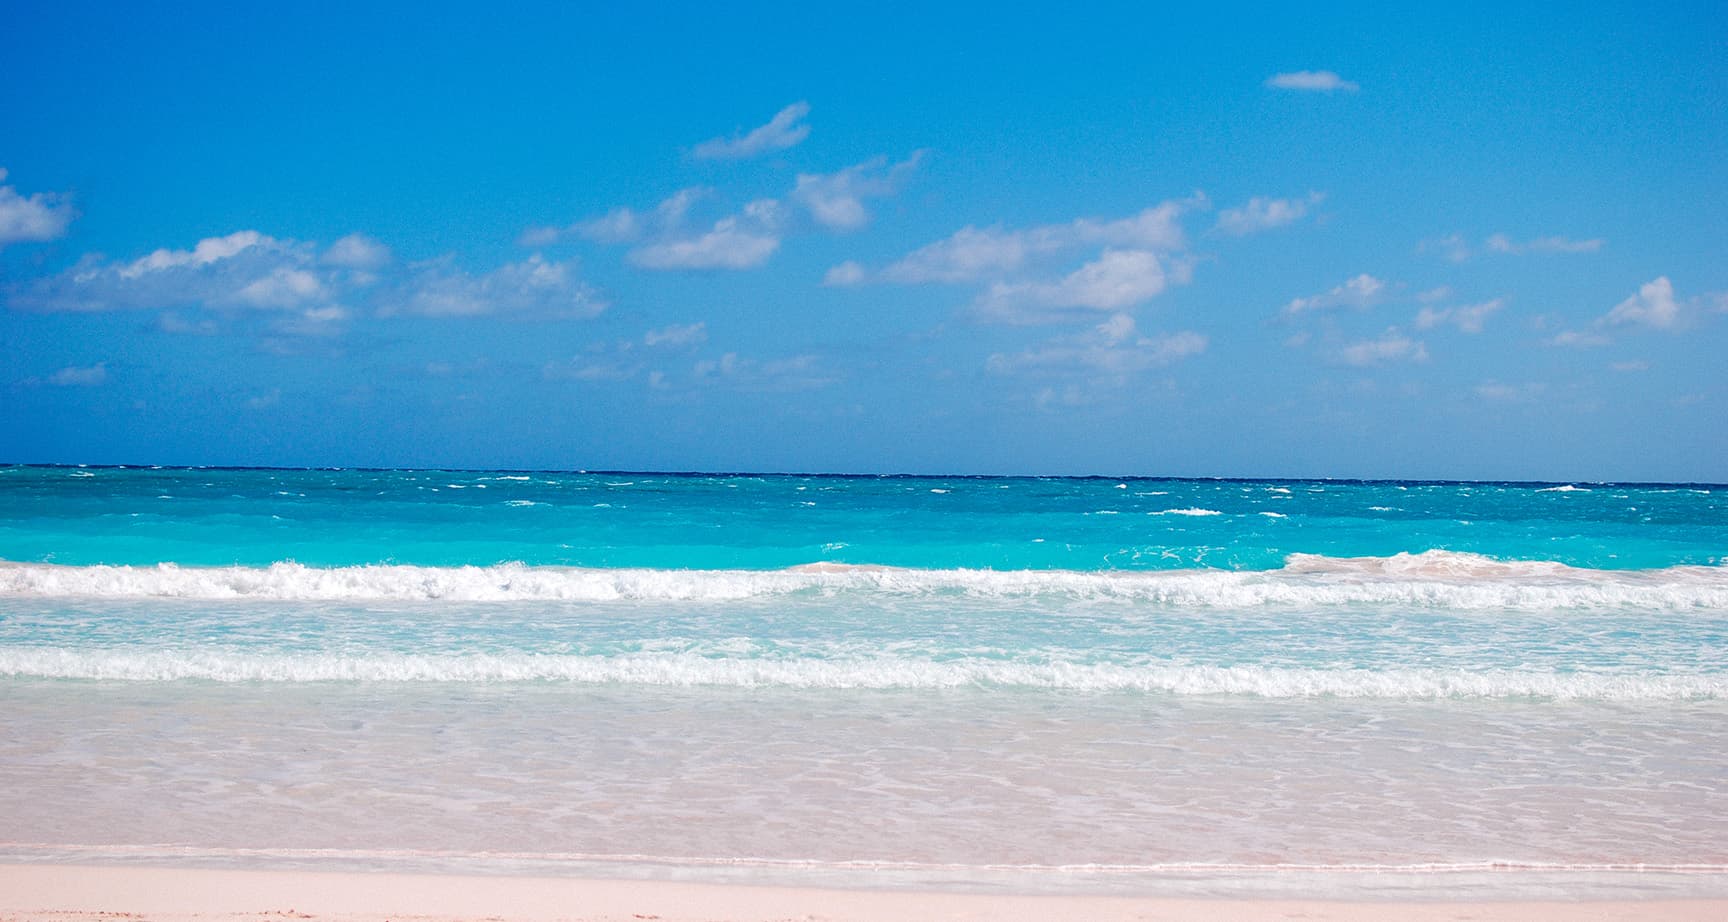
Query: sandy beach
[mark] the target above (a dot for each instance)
(67, 892)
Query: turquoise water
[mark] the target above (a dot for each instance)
(78, 516)
(1143, 683)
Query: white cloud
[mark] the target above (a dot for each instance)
(1321, 81)
(540, 236)
(315, 321)
(1390, 346)
(1137, 257)
(972, 254)
(1117, 279)
(203, 253)
(1510, 393)
(846, 273)
(1361, 292)
(1455, 248)
(34, 218)
(785, 129)
(305, 289)
(582, 369)
(80, 375)
(622, 225)
(1501, 243)
(283, 288)
(742, 241)
(1452, 247)
(1260, 214)
(534, 285)
(245, 269)
(171, 322)
(675, 335)
(1156, 228)
(1109, 353)
(836, 200)
(1581, 339)
(1653, 306)
(1634, 365)
(796, 373)
(1468, 318)
(357, 251)
(265, 400)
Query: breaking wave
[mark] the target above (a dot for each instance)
(1433, 579)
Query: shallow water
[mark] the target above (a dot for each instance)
(1516, 687)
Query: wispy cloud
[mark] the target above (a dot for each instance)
(836, 200)
(676, 336)
(1500, 392)
(1468, 318)
(1579, 339)
(1360, 293)
(1110, 353)
(1501, 243)
(591, 368)
(265, 400)
(796, 373)
(1117, 279)
(741, 241)
(666, 238)
(784, 130)
(1390, 346)
(80, 375)
(357, 251)
(1314, 81)
(1133, 259)
(1259, 214)
(1452, 247)
(849, 272)
(1455, 248)
(974, 254)
(1653, 306)
(536, 285)
(37, 217)
(242, 270)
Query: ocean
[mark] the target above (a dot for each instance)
(1033, 684)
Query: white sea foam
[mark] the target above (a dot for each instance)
(1564, 488)
(1190, 511)
(874, 672)
(1433, 579)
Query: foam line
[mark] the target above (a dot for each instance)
(870, 672)
(1433, 579)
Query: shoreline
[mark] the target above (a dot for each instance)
(74, 893)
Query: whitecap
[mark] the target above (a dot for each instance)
(1432, 579)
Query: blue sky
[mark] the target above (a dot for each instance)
(1480, 241)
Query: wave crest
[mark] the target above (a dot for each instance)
(1433, 579)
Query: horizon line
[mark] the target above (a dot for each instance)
(851, 475)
